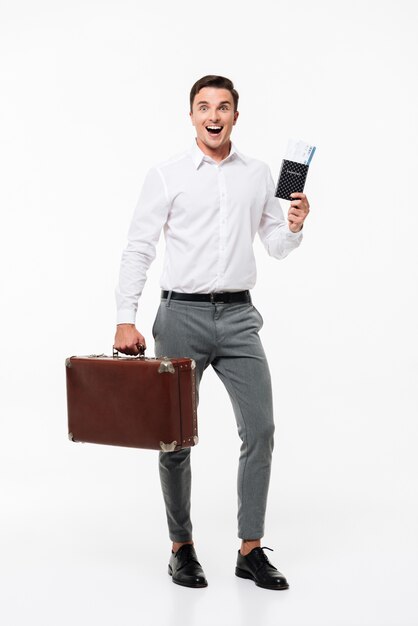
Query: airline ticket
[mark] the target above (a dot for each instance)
(299, 151)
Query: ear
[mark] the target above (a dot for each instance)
(236, 114)
(191, 117)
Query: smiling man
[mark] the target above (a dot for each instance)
(213, 114)
(211, 201)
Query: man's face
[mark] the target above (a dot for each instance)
(213, 117)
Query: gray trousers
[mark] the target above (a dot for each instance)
(224, 336)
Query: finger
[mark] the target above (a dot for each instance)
(141, 343)
(296, 222)
(126, 349)
(296, 218)
(300, 200)
(121, 349)
(298, 194)
(301, 211)
(132, 350)
(300, 203)
(301, 206)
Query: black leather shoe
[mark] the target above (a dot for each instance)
(258, 568)
(185, 569)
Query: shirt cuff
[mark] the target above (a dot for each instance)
(296, 236)
(125, 316)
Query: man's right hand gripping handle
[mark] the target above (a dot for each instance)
(128, 339)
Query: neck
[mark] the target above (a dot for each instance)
(217, 154)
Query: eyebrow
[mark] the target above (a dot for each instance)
(205, 102)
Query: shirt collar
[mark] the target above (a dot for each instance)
(198, 156)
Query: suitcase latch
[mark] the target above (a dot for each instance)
(166, 366)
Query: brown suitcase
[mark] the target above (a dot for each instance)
(138, 402)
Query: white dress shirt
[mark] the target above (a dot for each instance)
(210, 213)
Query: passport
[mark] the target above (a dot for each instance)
(294, 168)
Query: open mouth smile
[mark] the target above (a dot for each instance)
(214, 129)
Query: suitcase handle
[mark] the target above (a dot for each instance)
(141, 354)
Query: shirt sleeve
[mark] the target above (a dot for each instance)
(273, 230)
(144, 232)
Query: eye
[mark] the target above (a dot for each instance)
(203, 108)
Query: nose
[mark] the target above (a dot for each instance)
(214, 115)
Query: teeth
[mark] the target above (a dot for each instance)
(214, 127)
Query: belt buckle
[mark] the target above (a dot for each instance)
(215, 300)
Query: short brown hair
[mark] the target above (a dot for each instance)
(220, 82)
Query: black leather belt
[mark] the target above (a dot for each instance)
(219, 297)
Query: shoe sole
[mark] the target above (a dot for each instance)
(177, 582)
(243, 574)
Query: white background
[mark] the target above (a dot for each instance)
(93, 93)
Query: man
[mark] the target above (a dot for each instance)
(211, 201)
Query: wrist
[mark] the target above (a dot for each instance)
(295, 231)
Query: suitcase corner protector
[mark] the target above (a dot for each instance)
(166, 366)
(168, 447)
